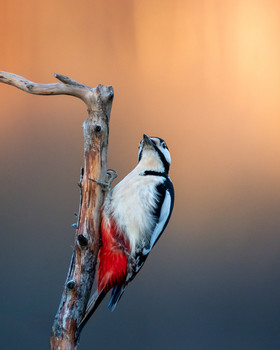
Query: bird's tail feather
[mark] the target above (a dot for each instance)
(92, 305)
(115, 297)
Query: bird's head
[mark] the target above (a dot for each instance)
(154, 154)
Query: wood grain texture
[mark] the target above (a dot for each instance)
(82, 268)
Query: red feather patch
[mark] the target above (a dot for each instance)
(112, 267)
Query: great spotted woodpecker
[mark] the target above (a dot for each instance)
(135, 214)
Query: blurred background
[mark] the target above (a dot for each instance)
(204, 76)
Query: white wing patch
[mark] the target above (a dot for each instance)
(164, 213)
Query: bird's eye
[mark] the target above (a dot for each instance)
(164, 145)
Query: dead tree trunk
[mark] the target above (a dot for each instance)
(87, 240)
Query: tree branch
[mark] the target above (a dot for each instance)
(81, 273)
(67, 86)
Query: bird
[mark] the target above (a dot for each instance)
(135, 214)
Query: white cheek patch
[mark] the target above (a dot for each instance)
(166, 154)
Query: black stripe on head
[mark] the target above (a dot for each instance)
(140, 155)
(164, 161)
(162, 158)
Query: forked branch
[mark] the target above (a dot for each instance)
(81, 273)
(67, 86)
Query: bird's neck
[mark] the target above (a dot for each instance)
(150, 164)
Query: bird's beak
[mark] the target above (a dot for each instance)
(147, 141)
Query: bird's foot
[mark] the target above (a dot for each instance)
(106, 185)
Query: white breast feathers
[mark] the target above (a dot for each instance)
(132, 204)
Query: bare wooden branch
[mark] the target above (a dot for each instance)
(66, 87)
(81, 273)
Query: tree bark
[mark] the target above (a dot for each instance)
(81, 273)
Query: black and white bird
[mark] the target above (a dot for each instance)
(135, 214)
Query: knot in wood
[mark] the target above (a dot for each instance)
(83, 241)
(71, 284)
(97, 128)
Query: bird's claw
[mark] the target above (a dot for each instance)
(106, 185)
(111, 175)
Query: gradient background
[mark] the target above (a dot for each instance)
(203, 75)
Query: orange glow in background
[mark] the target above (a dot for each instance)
(203, 75)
